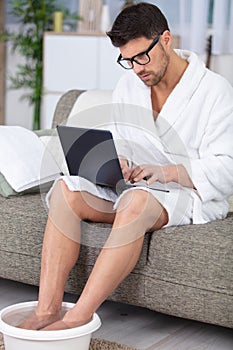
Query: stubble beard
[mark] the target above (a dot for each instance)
(156, 77)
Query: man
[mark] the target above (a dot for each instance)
(183, 143)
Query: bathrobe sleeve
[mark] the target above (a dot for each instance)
(212, 172)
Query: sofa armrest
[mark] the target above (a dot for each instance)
(44, 132)
(64, 106)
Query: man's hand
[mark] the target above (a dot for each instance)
(151, 173)
(163, 174)
(126, 170)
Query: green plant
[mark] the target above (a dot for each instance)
(35, 17)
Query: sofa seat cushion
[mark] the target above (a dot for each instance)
(94, 236)
(23, 221)
(198, 256)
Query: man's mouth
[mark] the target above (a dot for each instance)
(144, 76)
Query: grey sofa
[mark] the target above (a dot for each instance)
(185, 271)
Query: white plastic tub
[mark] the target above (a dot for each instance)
(22, 339)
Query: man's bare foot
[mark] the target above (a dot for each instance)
(37, 322)
(60, 325)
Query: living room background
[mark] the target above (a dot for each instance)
(180, 21)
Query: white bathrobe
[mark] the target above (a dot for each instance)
(194, 127)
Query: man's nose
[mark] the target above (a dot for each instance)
(138, 68)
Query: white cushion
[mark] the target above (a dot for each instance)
(92, 109)
(24, 160)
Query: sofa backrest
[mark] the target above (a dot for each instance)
(64, 106)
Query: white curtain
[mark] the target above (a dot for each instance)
(194, 28)
(223, 27)
(193, 24)
(189, 19)
(230, 33)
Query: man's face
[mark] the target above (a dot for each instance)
(154, 71)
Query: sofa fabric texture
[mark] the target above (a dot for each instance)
(185, 271)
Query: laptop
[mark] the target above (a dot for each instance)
(91, 154)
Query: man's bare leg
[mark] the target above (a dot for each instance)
(134, 217)
(61, 248)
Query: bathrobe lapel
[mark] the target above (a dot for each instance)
(182, 93)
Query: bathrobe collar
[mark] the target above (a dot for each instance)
(181, 95)
(186, 87)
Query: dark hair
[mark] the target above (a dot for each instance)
(135, 21)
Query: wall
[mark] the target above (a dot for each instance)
(17, 110)
(223, 64)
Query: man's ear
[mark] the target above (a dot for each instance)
(167, 38)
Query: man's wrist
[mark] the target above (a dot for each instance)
(170, 173)
(178, 173)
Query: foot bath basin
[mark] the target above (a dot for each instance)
(23, 339)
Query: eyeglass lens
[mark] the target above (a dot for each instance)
(142, 58)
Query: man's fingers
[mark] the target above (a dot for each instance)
(138, 174)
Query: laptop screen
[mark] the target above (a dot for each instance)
(91, 153)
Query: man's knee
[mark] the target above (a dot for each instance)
(87, 206)
(77, 201)
(134, 203)
(61, 215)
(140, 206)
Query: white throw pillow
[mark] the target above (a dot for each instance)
(92, 109)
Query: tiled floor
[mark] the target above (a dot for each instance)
(137, 327)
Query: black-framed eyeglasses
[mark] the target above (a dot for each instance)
(141, 58)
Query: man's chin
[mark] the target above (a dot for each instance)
(147, 82)
(151, 82)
